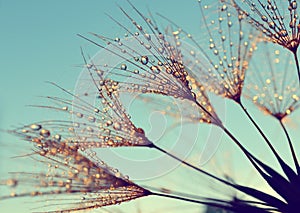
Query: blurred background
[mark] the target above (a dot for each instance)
(38, 43)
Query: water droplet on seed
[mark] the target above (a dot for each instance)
(45, 133)
(144, 60)
(35, 127)
(123, 67)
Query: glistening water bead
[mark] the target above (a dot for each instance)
(123, 67)
(144, 60)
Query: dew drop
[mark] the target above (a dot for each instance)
(123, 67)
(294, 5)
(79, 115)
(140, 130)
(272, 25)
(91, 118)
(65, 108)
(109, 122)
(24, 130)
(11, 182)
(45, 133)
(110, 142)
(147, 46)
(57, 137)
(117, 126)
(147, 36)
(144, 60)
(35, 127)
(155, 69)
(264, 18)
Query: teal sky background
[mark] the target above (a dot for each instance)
(38, 43)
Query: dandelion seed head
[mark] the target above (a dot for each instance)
(278, 21)
(277, 98)
(67, 173)
(227, 47)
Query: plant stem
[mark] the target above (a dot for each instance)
(287, 170)
(249, 156)
(291, 147)
(218, 122)
(297, 64)
(259, 129)
(190, 200)
(189, 165)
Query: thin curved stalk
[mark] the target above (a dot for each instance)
(291, 147)
(186, 199)
(287, 170)
(297, 65)
(225, 205)
(268, 199)
(259, 129)
(188, 164)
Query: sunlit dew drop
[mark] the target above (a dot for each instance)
(57, 137)
(91, 118)
(148, 47)
(144, 60)
(117, 174)
(24, 130)
(148, 37)
(294, 5)
(35, 127)
(264, 18)
(117, 126)
(45, 133)
(65, 108)
(79, 115)
(123, 67)
(11, 182)
(109, 122)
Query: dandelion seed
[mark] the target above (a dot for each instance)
(278, 98)
(107, 125)
(225, 74)
(67, 174)
(278, 21)
(159, 70)
(221, 65)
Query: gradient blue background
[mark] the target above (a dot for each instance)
(38, 43)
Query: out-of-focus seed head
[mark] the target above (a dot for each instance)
(277, 20)
(273, 85)
(61, 170)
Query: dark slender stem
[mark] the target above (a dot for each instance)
(297, 64)
(248, 155)
(178, 198)
(260, 131)
(190, 200)
(291, 147)
(254, 193)
(218, 122)
(189, 165)
(244, 150)
(287, 170)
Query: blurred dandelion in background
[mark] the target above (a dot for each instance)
(277, 20)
